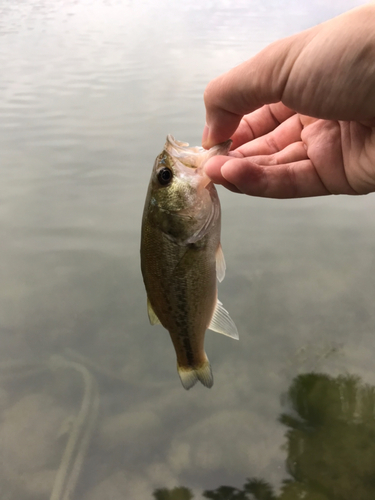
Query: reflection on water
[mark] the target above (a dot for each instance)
(330, 425)
(330, 431)
(177, 493)
(89, 401)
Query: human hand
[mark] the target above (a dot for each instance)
(310, 130)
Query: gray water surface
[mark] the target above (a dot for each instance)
(88, 91)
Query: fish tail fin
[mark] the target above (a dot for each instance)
(191, 374)
(204, 374)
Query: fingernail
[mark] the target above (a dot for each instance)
(206, 133)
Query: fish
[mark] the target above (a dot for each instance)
(181, 255)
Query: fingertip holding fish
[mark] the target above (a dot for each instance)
(181, 256)
(205, 137)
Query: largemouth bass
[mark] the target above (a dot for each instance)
(181, 255)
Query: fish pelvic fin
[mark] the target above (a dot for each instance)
(190, 375)
(220, 264)
(154, 320)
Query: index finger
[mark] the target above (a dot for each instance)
(260, 122)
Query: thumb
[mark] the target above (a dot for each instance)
(260, 80)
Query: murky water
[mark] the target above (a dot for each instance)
(90, 400)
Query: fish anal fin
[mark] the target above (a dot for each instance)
(220, 264)
(190, 375)
(154, 320)
(221, 322)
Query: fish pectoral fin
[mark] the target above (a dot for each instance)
(220, 264)
(221, 322)
(154, 320)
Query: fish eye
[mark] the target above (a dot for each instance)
(165, 176)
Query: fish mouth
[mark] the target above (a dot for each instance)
(175, 160)
(193, 157)
(190, 157)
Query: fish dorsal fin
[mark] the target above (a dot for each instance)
(221, 322)
(154, 320)
(220, 264)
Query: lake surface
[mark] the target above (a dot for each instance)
(91, 406)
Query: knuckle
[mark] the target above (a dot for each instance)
(272, 144)
(292, 181)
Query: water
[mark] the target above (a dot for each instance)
(88, 92)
